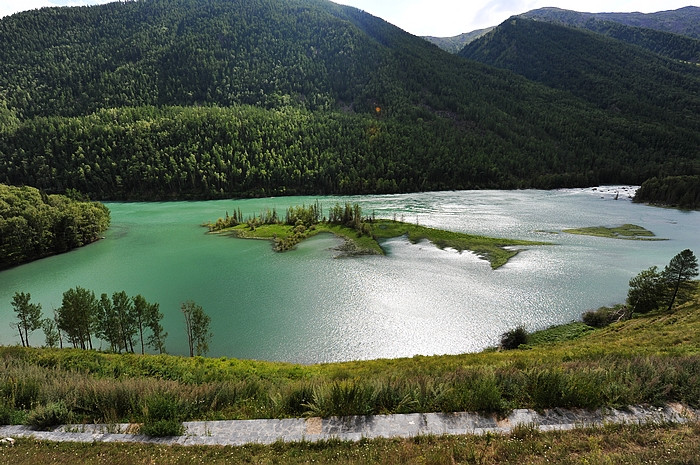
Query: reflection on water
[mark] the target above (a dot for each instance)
(306, 306)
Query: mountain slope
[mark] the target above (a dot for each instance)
(684, 21)
(670, 44)
(609, 73)
(184, 99)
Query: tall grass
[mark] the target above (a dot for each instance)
(613, 381)
(654, 359)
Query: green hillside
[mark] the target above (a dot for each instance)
(616, 77)
(669, 44)
(162, 99)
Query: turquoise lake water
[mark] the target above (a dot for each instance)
(308, 306)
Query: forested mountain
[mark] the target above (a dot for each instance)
(611, 74)
(669, 44)
(684, 21)
(456, 43)
(202, 99)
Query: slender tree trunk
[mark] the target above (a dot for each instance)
(21, 336)
(121, 325)
(675, 293)
(141, 334)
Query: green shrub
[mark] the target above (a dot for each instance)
(22, 393)
(341, 399)
(45, 417)
(162, 406)
(514, 338)
(162, 428)
(605, 315)
(546, 388)
(163, 413)
(297, 399)
(6, 414)
(391, 397)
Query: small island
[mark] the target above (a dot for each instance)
(626, 231)
(361, 234)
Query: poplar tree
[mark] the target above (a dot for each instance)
(28, 316)
(197, 328)
(77, 316)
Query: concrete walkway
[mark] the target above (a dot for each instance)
(354, 428)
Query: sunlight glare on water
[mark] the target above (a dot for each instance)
(307, 306)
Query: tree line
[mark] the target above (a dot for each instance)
(34, 225)
(127, 324)
(149, 153)
(674, 191)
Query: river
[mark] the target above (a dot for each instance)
(307, 306)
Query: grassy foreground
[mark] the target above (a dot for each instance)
(496, 250)
(631, 444)
(651, 359)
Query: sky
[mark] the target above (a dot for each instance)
(441, 18)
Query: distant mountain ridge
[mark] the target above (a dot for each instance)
(684, 21)
(456, 43)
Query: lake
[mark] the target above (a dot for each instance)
(307, 306)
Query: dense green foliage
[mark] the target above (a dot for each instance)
(605, 316)
(28, 316)
(670, 45)
(187, 99)
(513, 338)
(674, 191)
(34, 225)
(651, 288)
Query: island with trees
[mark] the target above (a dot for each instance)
(361, 233)
(34, 224)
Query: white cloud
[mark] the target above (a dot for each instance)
(452, 17)
(434, 17)
(8, 7)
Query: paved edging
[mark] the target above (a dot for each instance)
(353, 428)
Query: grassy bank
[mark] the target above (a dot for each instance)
(650, 359)
(626, 231)
(496, 250)
(630, 444)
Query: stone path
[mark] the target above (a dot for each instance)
(354, 428)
